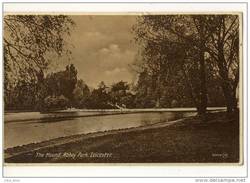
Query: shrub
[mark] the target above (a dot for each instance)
(55, 103)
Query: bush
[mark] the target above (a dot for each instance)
(55, 103)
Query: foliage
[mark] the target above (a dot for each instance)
(81, 94)
(186, 61)
(55, 103)
(31, 94)
(185, 55)
(29, 38)
(120, 95)
(99, 98)
(62, 82)
(29, 41)
(22, 96)
(223, 48)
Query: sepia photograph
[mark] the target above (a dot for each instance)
(122, 88)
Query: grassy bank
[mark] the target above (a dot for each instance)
(192, 140)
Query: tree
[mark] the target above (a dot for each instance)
(99, 98)
(118, 90)
(28, 41)
(178, 48)
(69, 81)
(121, 95)
(28, 38)
(55, 103)
(62, 82)
(81, 94)
(144, 92)
(162, 38)
(22, 96)
(199, 22)
(223, 47)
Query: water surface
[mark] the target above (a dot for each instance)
(25, 132)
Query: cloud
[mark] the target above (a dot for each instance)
(103, 49)
(115, 71)
(94, 34)
(112, 63)
(117, 74)
(112, 49)
(113, 56)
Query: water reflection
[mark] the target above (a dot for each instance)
(152, 118)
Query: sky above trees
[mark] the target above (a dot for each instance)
(102, 49)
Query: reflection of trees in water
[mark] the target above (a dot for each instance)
(161, 117)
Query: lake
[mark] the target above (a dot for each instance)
(32, 131)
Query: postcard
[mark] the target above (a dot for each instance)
(152, 88)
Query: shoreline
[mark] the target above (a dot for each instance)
(20, 117)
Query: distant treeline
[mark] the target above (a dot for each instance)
(61, 90)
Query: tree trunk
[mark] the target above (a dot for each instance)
(231, 101)
(228, 90)
(190, 88)
(202, 107)
(158, 92)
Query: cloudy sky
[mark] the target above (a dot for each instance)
(103, 49)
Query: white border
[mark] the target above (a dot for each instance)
(132, 171)
(123, 7)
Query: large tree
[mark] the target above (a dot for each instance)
(27, 41)
(169, 43)
(121, 96)
(62, 82)
(188, 43)
(223, 47)
(99, 98)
